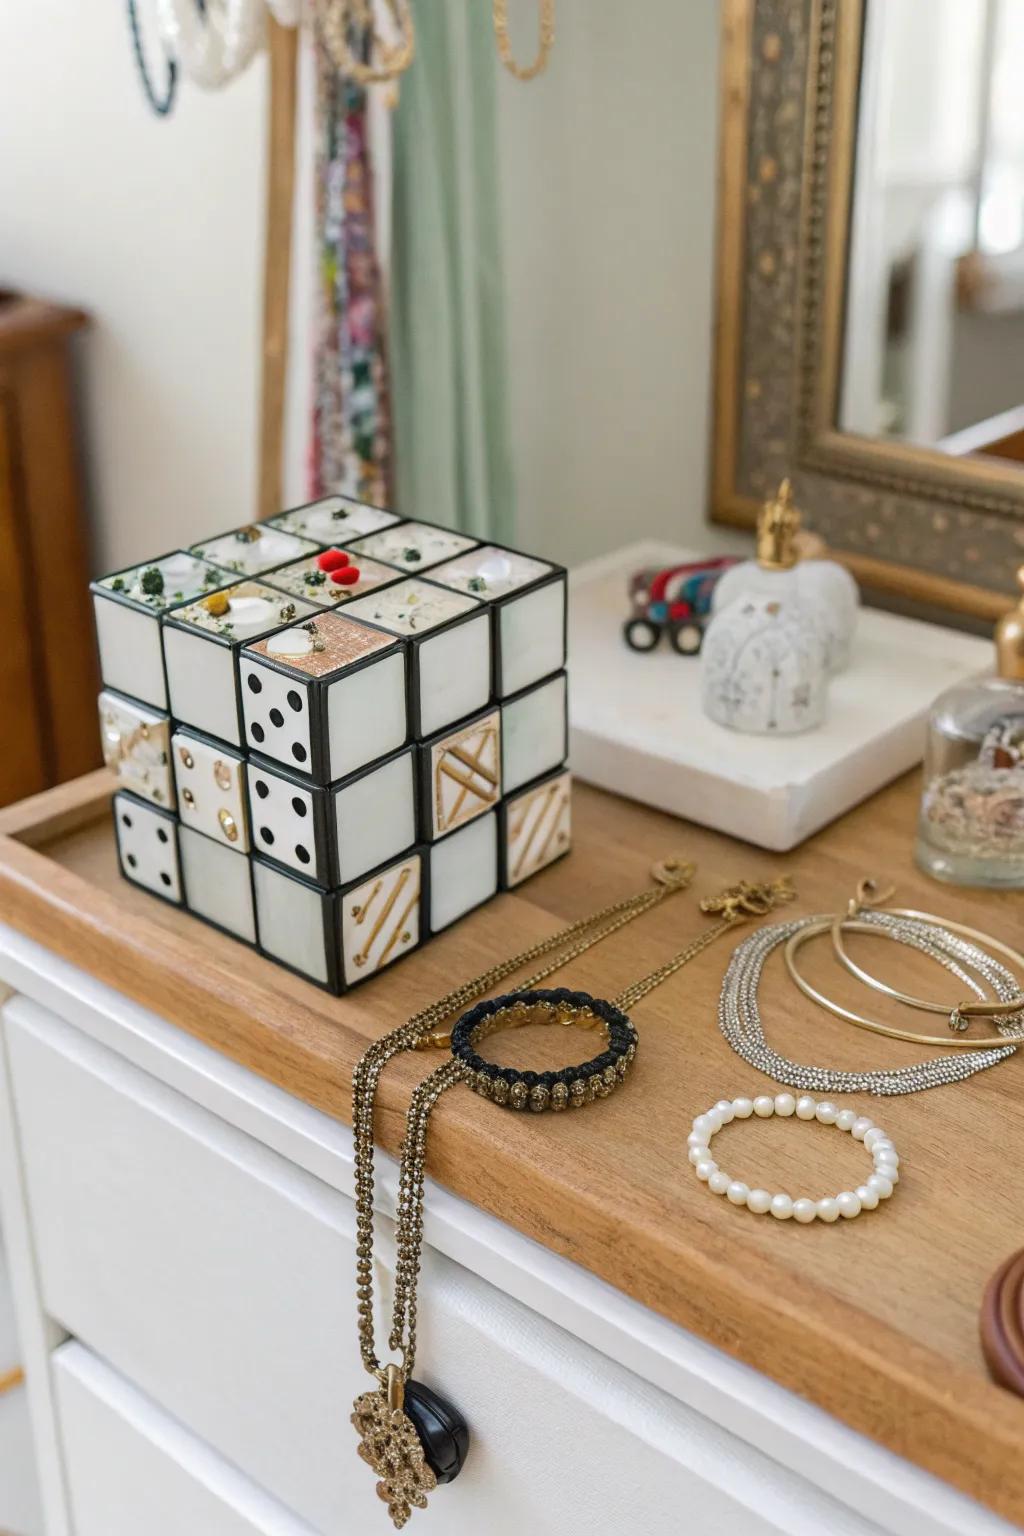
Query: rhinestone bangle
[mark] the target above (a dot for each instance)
(567, 1088)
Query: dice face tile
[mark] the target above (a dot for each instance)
(380, 920)
(527, 598)
(413, 547)
(294, 924)
(289, 822)
(535, 828)
(462, 773)
(334, 519)
(326, 696)
(211, 789)
(374, 816)
(217, 885)
(201, 642)
(534, 732)
(463, 871)
(128, 606)
(333, 586)
(449, 636)
(147, 847)
(255, 549)
(137, 747)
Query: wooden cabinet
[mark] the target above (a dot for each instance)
(48, 674)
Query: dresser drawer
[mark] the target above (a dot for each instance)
(218, 1278)
(20, 1514)
(132, 1471)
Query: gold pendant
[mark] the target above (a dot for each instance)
(388, 1442)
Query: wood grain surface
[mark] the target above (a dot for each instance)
(876, 1320)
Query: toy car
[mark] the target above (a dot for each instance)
(676, 598)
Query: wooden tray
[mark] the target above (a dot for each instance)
(875, 1319)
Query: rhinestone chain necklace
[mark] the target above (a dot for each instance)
(740, 1020)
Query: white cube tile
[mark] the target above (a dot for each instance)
(217, 884)
(463, 871)
(147, 846)
(137, 748)
(534, 732)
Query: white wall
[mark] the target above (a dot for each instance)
(608, 177)
(608, 195)
(156, 228)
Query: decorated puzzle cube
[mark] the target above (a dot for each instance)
(210, 781)
(342, 937)
(255, 549)
(201, 646)
(217, 884)
(463, 871)
(325, 696)
(534, 732)
(449, 640)
(128, 606)
(534, 828)
(334, 835)
(334, 519)
(527, 598)
(137, 747)
(412, 547)
(147, 846)
(332, 577)
(460, 773)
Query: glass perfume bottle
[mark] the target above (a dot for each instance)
(793, 565)
(971, 823)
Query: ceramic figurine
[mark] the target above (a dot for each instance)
(791, 564)
(128, 606)
(334, 834)
(334, 520)
(673, 600)
(340, 938)
(448, 637)
(763, 667)
(325, 696)
(971, 823)
(201, 645)
(534, 732)
(527, 598)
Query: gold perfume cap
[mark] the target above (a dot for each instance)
(778, 524)
(1010, 638)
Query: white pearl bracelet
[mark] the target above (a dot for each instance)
(849, 1203)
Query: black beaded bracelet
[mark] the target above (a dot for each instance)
(569, 1087)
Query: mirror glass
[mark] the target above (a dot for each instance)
(934, 327)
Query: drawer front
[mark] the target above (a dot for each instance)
(218, 1278)
(132, 1471)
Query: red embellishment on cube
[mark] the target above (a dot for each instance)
(345, 575)
(332, 560)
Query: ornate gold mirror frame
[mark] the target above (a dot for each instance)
(924, 530)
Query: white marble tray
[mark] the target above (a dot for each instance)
(637, 726)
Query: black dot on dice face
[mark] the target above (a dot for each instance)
(301, 853)
(253, 683)
(295, 700)
(262, 789)
(276, 717)
(257, 731)
(161, 834)
(299, 752)
(130, 860)
(267, 835)
(165, 877)
(299, 806)
(126, 821)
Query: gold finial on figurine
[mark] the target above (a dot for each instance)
(778, 524)
(1010, 637)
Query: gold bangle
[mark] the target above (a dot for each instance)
(824, 926)
(979, 1009)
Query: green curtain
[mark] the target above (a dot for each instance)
(447, 341)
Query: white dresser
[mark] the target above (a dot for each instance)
(180, 1242)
